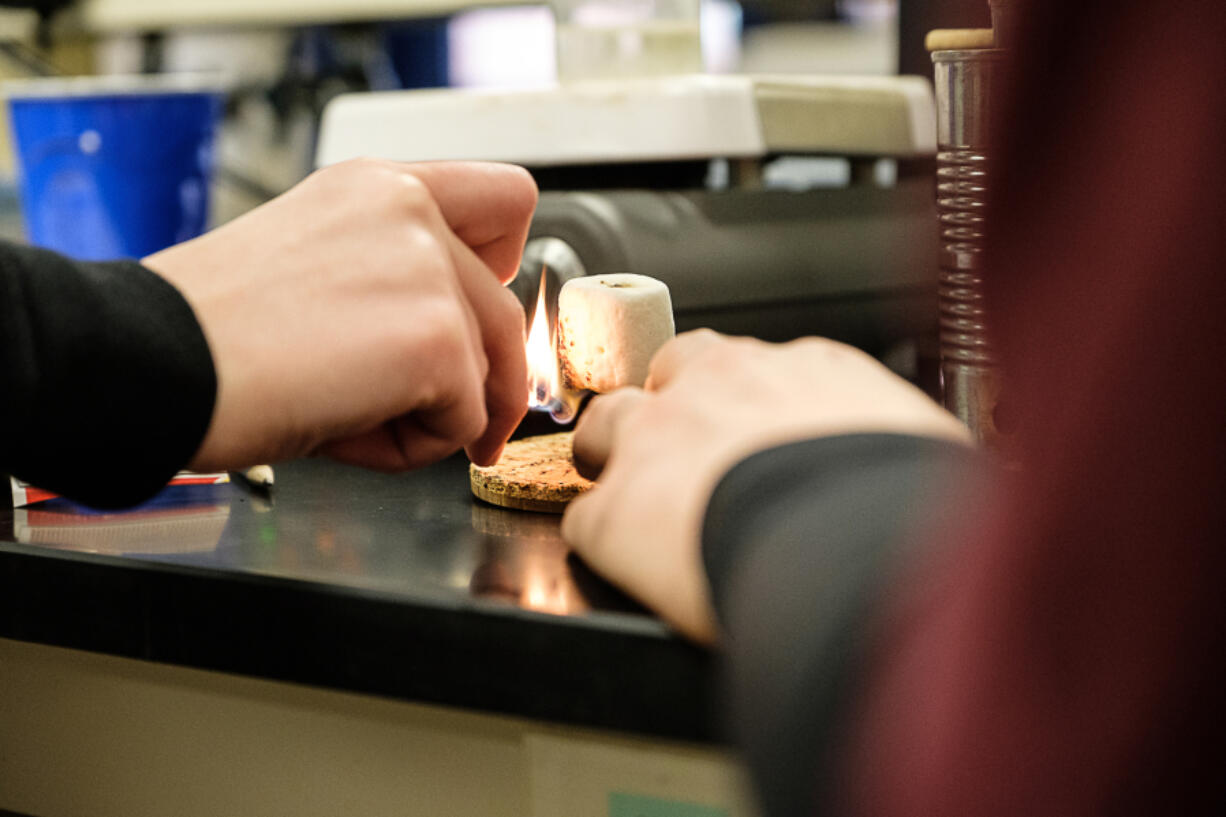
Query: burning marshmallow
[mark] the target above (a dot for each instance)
(609, 327)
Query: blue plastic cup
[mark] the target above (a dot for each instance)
(114, 167)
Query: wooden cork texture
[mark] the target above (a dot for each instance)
(533, 474)
(958, 39)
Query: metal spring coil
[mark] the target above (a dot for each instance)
(962, 177)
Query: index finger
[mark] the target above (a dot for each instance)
(500, 322)
(672, 356)
(596, 430)
(487, 205)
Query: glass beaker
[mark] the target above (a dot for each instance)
(606, 39)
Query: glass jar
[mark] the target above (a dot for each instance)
(604, 39)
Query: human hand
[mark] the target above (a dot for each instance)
(362, 315)
(709, 402)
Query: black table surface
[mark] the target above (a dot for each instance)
(402, 586)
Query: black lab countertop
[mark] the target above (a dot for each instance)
(399, 586)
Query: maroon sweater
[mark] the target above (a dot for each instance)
(914, 632)
(1063, 651)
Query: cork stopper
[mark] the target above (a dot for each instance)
(958, 39)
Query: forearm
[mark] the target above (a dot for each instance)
(107, 380)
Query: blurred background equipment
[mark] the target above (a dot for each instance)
(626, 38)
(770, 205)
(789, 202)
(285, 60)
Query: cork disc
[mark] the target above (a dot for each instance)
(534, 474)
(958, 39)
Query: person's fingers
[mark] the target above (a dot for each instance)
(497, 325)
(582, 523)
(397, 445)
(472, 322)
(672, 356)
(446, 400)
(596, 431)
(487, 205)
(446, 391)
(482, 210)
(375, 449)
(420, 446)
(642, 556)
(500, 320)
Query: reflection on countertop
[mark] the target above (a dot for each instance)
(419, 535)
(180, 519)
(401, 586)
(174, 530)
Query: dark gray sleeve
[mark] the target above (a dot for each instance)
(799, 542)
(106, 379)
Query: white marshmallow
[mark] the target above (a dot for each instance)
(609, 327)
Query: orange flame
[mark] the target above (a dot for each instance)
(545, 389)
(544, 381)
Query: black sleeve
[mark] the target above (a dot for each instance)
(799, 542)
(106, 380)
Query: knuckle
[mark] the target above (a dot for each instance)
(814, 343)
(716, 355)
(428, 252)
(351, 171)
(709, 343)
(824, 349)
(371, 165)
(699, 340)
(382, 185)
(608, 408)
(413, 198)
